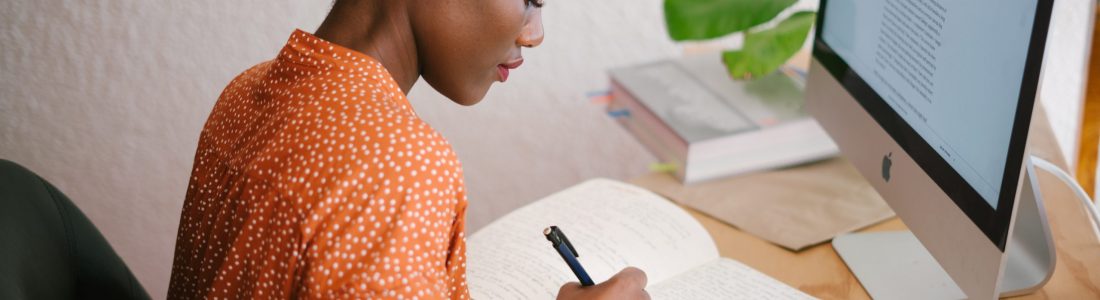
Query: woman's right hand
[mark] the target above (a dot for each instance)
(628, 284)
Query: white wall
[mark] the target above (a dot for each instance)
(1064, 71)
(106, 99)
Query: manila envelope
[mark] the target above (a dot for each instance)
(794, 207)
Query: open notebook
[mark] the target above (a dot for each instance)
(612, 225)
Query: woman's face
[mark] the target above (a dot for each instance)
(465, 45)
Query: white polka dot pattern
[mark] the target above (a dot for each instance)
(314, 178)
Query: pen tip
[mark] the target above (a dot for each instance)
(547, 231)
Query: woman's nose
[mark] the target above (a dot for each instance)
(531, 35)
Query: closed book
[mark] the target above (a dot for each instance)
(690, 114)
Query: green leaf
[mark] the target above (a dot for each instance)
(766, 50)
(707, 19)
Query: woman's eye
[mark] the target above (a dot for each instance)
(535, 3)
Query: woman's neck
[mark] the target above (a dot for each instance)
(377, 28)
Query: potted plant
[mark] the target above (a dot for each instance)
(764, 49)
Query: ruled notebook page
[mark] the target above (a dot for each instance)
(612, 225)
(724, 279)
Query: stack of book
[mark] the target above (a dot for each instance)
(690, 114)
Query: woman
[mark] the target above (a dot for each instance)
(314, 177)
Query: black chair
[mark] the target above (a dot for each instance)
(50, 250)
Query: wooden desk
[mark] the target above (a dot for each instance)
(821, 273)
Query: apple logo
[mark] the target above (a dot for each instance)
(886, 164)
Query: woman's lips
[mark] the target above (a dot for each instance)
(503, 69)
(503, 72)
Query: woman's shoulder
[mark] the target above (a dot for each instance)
(374, 139)
(349, 123)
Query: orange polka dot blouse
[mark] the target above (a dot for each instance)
(315, 179)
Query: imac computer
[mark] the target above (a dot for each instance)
(931, 100)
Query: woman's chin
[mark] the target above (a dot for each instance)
(470, 96)
(463, 94)
(467, 98)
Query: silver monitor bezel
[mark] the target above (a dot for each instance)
(994, 223)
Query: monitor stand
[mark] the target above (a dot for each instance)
(894, 265)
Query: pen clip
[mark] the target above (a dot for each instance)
(557, 237)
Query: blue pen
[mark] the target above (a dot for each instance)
(568, 253)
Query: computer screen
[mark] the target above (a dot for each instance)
(952, 70)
